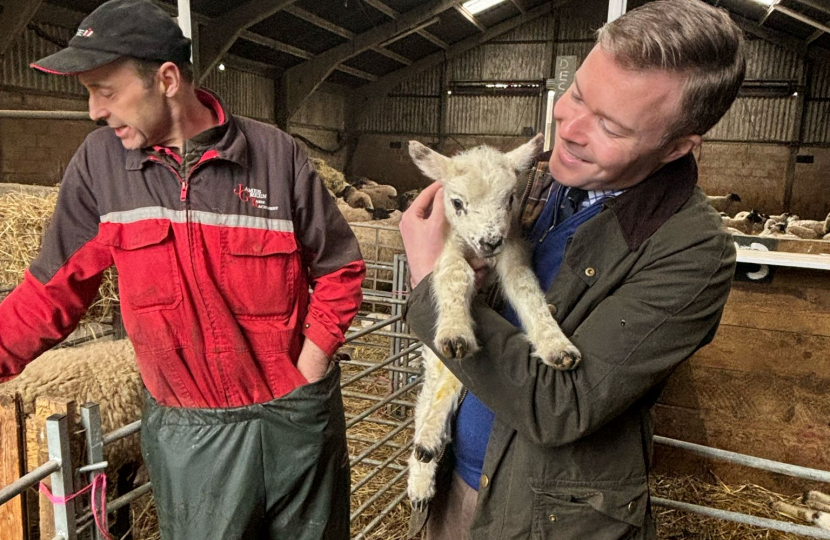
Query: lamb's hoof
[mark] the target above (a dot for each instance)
(564, 360)
(457, 347)
(419, 505)
(423, 455)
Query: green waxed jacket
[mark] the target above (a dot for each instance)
(641, 288)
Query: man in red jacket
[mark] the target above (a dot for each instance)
(219, 228)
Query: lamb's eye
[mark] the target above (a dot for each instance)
(457, 204)
(510, 202)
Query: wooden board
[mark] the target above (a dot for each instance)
(12, 514)
(762, 387)
(38, 452)
(793, 445)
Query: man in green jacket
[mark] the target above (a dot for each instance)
(636, 267)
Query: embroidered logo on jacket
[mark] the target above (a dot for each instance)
(254, 197)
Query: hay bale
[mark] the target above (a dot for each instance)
(25, 214)
(332, 178)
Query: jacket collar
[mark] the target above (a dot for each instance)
(640, 211)
(225, 138)
(645, 207)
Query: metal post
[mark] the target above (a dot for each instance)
(91, 419)
(57, 436)
(616, 8)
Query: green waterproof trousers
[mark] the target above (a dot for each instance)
(276, 470)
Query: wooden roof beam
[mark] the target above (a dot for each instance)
(342, 32)
(364, 95)
(225, 29)
(392, 14)
(299, 82)
(470, 17)
(16, 15)
(518, 5)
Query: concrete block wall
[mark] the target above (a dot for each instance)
(811, 189)
(37, 152)
(385, 158)
(758, 173)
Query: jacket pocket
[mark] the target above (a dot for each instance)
(144, 254)
(598, 510)
(259, 272)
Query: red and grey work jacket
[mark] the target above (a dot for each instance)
(216, 252)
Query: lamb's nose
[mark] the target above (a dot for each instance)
(492, 246)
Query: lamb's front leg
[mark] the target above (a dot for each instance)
(528, 300)
(453, 288)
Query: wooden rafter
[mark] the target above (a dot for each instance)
(394, 15)
(366, 94)
(224, 30)
(470, 17)
(16, 15)
(300, 81)
(342, 32)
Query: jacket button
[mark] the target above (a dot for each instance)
(552, 309)
(632, 506)
(590, 272)
(307, 325)
(484, 481)
(552, 517)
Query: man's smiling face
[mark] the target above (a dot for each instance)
(611, 124)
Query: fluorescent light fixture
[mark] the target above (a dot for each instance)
(477, 6)
(767, 2)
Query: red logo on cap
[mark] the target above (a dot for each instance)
(84, 33)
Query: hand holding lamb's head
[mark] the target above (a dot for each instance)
(480, 190)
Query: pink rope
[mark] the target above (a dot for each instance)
(99, 486)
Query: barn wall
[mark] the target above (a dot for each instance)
(321, 121)
(751, 151)
(761, 386)
(38, 151)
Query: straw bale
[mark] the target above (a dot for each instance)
(332, 178)
(25, 213)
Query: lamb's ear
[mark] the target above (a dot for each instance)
(522, 157)
(431, 163)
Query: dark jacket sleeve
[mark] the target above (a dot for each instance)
(61, 283)
(333, 255)
(630, 343)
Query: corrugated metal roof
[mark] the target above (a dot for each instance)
(245, 94)
(499, 61)
(491, 115)
(759, 119)
(403, 115)
(14, 65)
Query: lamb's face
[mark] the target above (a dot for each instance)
(479, 200)
(479, 190)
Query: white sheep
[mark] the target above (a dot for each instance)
(102, 371)
(777, 229)
(808, 228)
(723, 203)
(815, 511)
(482, 211)
(751, 222)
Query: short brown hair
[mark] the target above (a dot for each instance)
(688, 37)
(147, 70)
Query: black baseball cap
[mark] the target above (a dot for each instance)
(117, 29)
